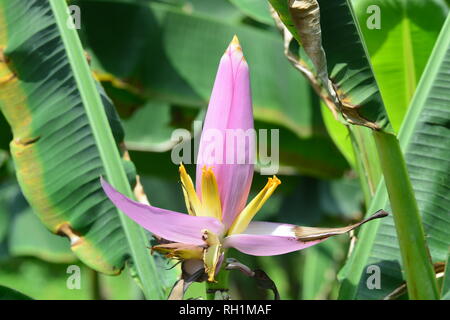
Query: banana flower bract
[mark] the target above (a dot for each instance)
(219, 216)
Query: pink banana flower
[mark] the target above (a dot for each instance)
(219, 216)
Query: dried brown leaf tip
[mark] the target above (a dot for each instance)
(350, 111)
(180, 251)
(306, 17)
(306, 234)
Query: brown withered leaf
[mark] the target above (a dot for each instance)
(326, 92)
(305, 16)
(181, 251)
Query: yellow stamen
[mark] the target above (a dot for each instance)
(210, 195)
(211, 254)
(193, 204)
(246, 215)
(210, 237)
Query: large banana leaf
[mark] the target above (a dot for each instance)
(425, 139)
(10, 294)
(360, 103)
(399, 50)
(256, 9)
(353, 80)
(42, 281)
(408, 29)
(62, 143)
(27, 236)
(348, 65)
(334, 32)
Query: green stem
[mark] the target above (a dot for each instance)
(220, 286)
(367, 164)
(95, 285)
(420, 277)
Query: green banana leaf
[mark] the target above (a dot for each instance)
(360, 102)
(43, 131)
(218, 9)
(23, 233)
(399, 50)
(6, 190)
(256, 9)
(408, 28)
(350, 71)
(348, 65)
(47, 281)
(425, 139)
(49, 126)
(11, 294)
(156, 138)
(62, 144)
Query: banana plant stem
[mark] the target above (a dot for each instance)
(218, 290)
(419, 273)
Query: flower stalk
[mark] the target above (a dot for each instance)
(219, 290)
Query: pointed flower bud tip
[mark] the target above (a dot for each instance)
(235, 41)
(234, 48)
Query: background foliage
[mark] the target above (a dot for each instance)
(156, 61)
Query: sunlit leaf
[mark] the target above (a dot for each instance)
(399, 50)
(424, 137)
